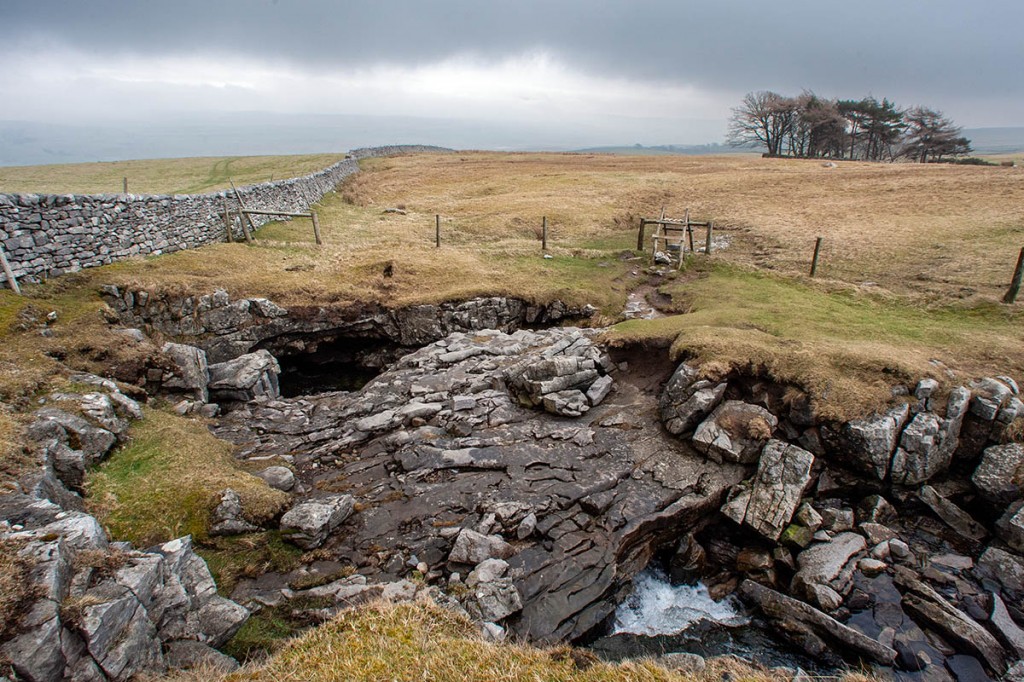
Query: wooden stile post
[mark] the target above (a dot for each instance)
(544, 234)
(707, 242)
(640, 235)
(242, 215)
(814, 261)
(11, 281)
(316, 228)
(227, 220)
(1011, 294)
(437, 231)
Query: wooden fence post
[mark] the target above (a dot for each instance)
(11, 281)
(227, 220)
(316, 228)
(437, 231)
(640, 235)
(707, 242)
(814, 261)
(1011, 294)
(242, 215)
(544, 234)
(126, 185)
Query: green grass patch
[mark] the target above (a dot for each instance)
(845, 348)
(167, 481)
(248, 556)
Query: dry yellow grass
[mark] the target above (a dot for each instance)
(425, 643)
(159, 176)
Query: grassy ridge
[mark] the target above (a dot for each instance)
(160, 176)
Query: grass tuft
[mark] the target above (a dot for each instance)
(176, 466)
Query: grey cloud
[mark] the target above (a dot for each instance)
(904, 49)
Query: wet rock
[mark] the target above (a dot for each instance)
(823, 564)
(472, 547)
(952, 515)
(735, 432)
(278, 477)
(926, 604)
(869, 443)
(871, 567)
(1010, 528)
(875, 509)
(796, 617)
(686, 400)
(876, 533)
(1005, 627)
(308, 524)
(783, 474)
(1000, 475)
(248, 376)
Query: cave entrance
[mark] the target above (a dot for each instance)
(313, 365)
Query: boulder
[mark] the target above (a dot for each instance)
(1010, 528)
(308, 524)
(571, 403)
(248, 376)
(278, 477)
(928, 442)
(493, 600)
(783, 474)
(988, 397)
(472, 547)
(686, 400)
(1005, 627)
(735, 432)
(191, 373)
(955, 517)
(823, 564)
(1002, 566)
(797, 618)
(227, 517)
(869, 443)
(188, 654)
(926, 604)
(1000, 475)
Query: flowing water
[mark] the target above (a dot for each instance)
(660, 617)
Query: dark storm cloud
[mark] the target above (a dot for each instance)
(907, 49)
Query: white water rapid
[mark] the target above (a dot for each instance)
(657, 607)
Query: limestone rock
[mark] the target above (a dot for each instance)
(1000, 475)
(571, 403)
(735, 432)
(278, 477)
(308, 524)
(783, 474)
(927, 443)
(954, 516)
(191, 374)
(248, 376)
(1005, 627)
(686, 400)
(227, 518)
(1010, 527)
(869, 443)
(494, 600)
(1004, 567)
(472, 547)
(988, 397)
(188, 654)
(823, 564)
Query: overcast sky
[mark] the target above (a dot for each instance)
(647, 71)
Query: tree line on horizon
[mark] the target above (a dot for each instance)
(809, 126)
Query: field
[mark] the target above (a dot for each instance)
(915, 260)
(159, 176)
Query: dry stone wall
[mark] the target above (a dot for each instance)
(48, 235)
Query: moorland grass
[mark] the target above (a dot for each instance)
(159, 176)
(167, 480)
(844, 347)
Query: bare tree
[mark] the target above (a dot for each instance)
(764, 118)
